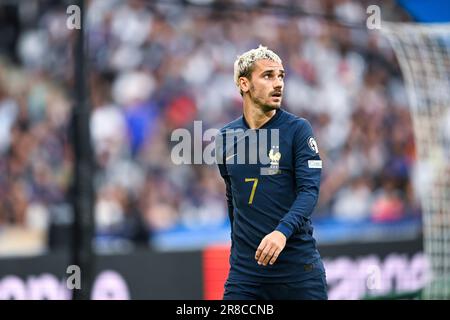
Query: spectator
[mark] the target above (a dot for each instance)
(168, 66)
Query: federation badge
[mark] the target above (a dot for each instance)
(274, 157)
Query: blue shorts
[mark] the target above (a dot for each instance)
(310, 289)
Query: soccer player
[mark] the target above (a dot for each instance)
(273, 252)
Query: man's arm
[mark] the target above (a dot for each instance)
(220, 158)
(229, 197)
(307, 176)
(308, 168)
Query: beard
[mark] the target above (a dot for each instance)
(264, 104)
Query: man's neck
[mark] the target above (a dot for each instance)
(255, 116)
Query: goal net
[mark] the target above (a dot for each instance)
(423, 52)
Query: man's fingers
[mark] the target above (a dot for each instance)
(269, 256)
(260, 249)
(264, 254)
(270, 247)
(274, 257)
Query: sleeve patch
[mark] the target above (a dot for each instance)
(313, 144)
(315, 164)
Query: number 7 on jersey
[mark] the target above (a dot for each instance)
(255, 183)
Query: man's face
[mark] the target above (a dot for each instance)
(266, 84)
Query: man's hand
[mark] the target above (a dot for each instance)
(270, 248)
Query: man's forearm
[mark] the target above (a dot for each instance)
(301, 209)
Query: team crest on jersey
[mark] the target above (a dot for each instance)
(313, 144)
(274, 156)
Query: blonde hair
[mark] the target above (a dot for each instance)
(243, 66)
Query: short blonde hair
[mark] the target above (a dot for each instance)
(243, 66)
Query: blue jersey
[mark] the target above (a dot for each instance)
(278, 195)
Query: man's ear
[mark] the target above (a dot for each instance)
(244, 84)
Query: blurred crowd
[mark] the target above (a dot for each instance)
(154, 67)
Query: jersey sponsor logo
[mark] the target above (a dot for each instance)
(313, 144)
